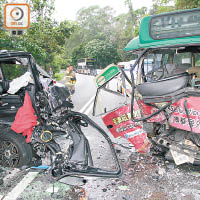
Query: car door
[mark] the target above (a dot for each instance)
(10, 69)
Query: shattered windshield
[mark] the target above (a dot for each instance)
(165, 62)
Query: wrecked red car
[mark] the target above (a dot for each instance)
(33, 113)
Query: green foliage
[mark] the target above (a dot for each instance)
(197, 63)
(161, 6)
(41, 8)
(132, 17)
(66, 62)
(95, 22)
(98, 26)
(12, 71)
(77, 53)
(103, 51)
(22, 44)
(187, 4)
(73, 42)
(52, 33)
(59, 76)
(57, 63)
(44, 39)
(2, 33)
(96, 33)
(124, 31)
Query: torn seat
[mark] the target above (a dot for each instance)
(4, 86)
(9, 104)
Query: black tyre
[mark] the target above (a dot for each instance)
(14, 151)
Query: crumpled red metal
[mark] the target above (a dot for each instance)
(120, 124)
(25, 119)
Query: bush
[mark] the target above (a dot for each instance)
(59, 76)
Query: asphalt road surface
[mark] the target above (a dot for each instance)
(144, 178)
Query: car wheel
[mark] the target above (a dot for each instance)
(14, 151)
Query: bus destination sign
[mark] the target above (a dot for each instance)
(174, 25)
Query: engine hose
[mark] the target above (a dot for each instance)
(53, 147)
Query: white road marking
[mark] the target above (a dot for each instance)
(1, 197)
(21, 186)
(82, 110)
